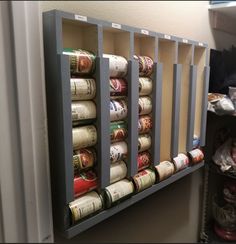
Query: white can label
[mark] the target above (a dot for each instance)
(144, 142)
(165, 169)
(81, 17)
(83, 110)
(118, 171)
(145, 86)
(118, 151)
(145, 105)
(120, 189)
(181, 161)
(85, 205)
(118, 109)
(144, 179)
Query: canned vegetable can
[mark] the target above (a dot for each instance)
(145, 65)
(84, 158)
(118, 131)
(85, 205)
(83, 110)
(144, 142)
(145, 86)
(144, 179)
(85, 182)
(84, 136)
(118, 151)
(118, 191)
(118, 87)
(118, 109)
(144, 160)
(144, 124)
(145, 105)
(180, 162)
(164, 170)
(118, 171)
(118, 65)
(82, 89)
(196, 155)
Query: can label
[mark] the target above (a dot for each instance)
(118, 109)
(85, 205)
(145, 86)
(118, 131)
(144, 160)
(119, 190)
(118, 87)
(144, 179)
(118, 65)
(144, 142)
(81, 61)
(196, 155)
(165, 169)
(82, 89)
(85, 182)
(145, 65)
(84, 136)
(84, 158)
(181, 162)
(144, 124)
(118, 151)
(118, 171)
(83, 110)
(145, 105)
(196, 141)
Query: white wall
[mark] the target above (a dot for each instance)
(171, 215)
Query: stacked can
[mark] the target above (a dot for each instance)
(145, 109)
(120, 187)
(84, 134)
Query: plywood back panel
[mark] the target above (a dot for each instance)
(166, 55)
(199, 60)
(184, 58)
(108, 42)
(144, 45)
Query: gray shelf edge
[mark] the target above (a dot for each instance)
(86, 224)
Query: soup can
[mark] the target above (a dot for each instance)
(144, 179)
(82, 89)
(118, 131)
(118, 151)
(144, 160)
(84, 136)
(196, 155)
(145, 105)
(164, 170)
(118, 65)
(81, 61)
(85, 182)
(83, 110)
(118, 87)
(118, 109)
(85, 205)
(84, 158)
(144, 124)
(180, 162)
(145, 65)
(118, 171)
(144, 142)
(117, 191)
(145, 86)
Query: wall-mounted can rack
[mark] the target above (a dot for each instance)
(179, 103)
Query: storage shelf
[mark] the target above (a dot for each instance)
(86, 224)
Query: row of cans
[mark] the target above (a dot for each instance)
(82, 62)
(85, 88)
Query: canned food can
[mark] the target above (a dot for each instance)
(118, 171)
(118, 109)
(144, 160)
(81, 61)
(164, 170)
(145, 105)
(145, 86)
(144, 142)
(118, 87)
(83, 110)
(85, 206)
(180, 162)
(117, 191)
(84, 136)
(118, 65)
(196, 141)
(118, 151)
(82, 89)
(144, 179)
(196, 155)
(84, 158)
(144, 124)
(118, 131)
(145, 65)
(85, 182)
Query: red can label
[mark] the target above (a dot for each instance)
(144, 160)
(145, 65)
(144, 124)
(85, 182)
(118, 87)
(196, 155)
